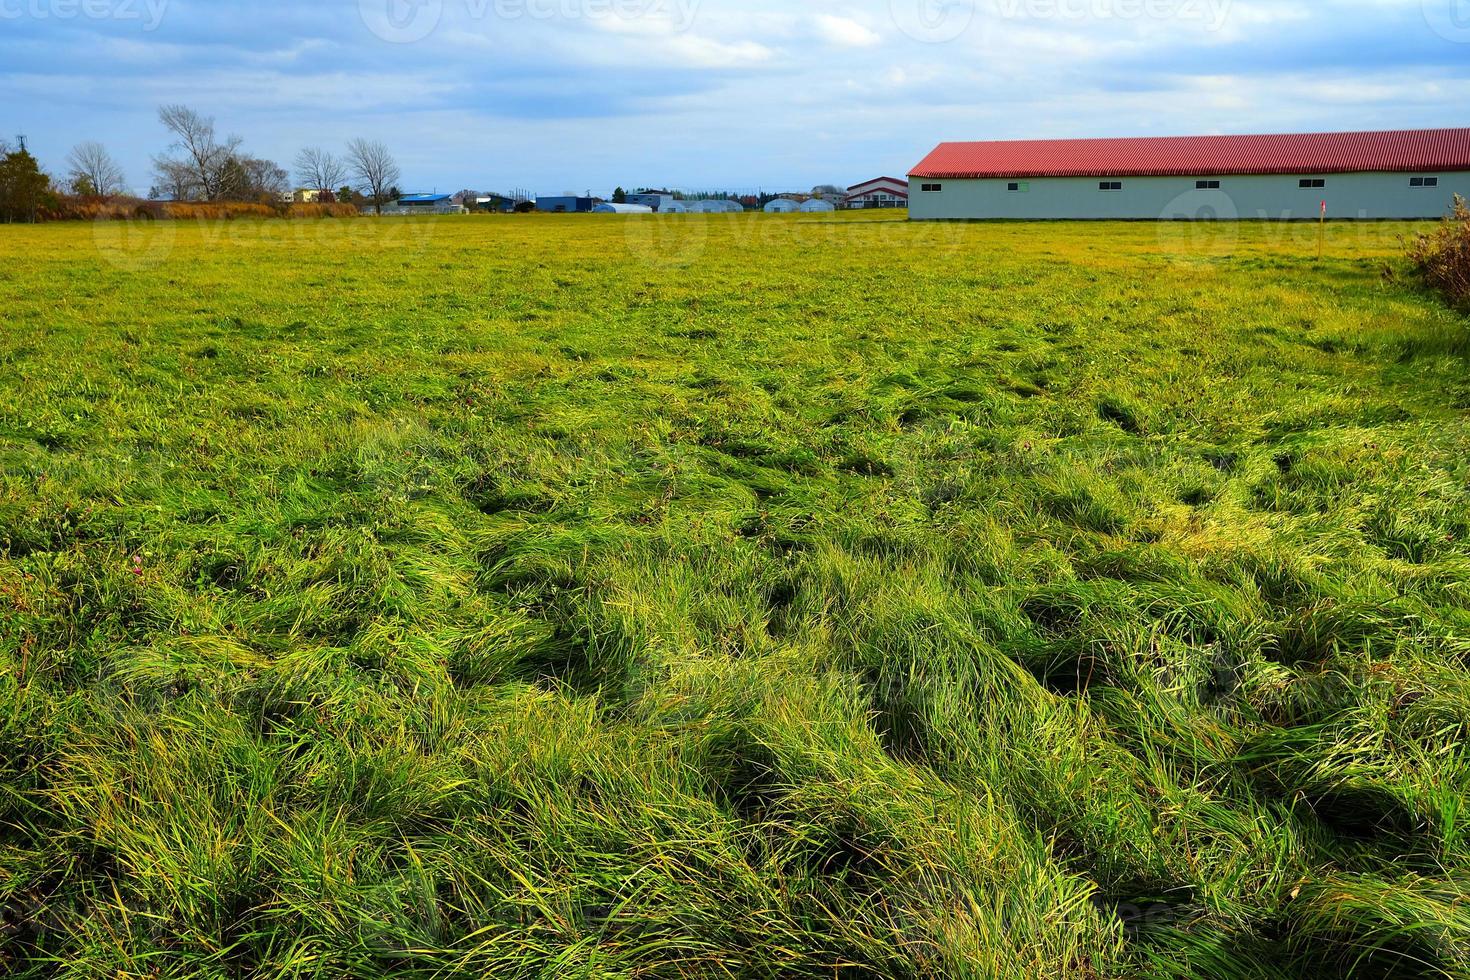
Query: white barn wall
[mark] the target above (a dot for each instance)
(1251, 197)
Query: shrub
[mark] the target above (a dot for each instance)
(1442, 257)
(96, 208)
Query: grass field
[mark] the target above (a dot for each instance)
(730, 596)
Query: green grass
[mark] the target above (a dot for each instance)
(730, 596)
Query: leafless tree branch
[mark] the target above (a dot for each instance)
(206, 157)
(319, 170)
(374, 168)
(92, 170)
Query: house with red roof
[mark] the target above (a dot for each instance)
(1282, 177)
(880, 192)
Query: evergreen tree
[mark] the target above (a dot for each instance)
(23, 187)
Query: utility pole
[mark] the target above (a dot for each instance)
(21, 139)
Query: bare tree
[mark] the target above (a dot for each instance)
(172, 181)
(374, 168)
(265, 181)
(318, 170)
(93, 171)
(207, 158)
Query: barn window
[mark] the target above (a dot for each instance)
(1110, 185)
(1207, 185)
(1312, 182)
(1019, 186)
(927, 188)
(1423, 181)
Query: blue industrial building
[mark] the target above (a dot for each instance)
(564, 205)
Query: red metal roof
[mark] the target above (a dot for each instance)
(1169, 156)
(878, 180)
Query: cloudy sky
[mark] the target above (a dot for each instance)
(556, 95)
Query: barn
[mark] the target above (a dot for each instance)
(565, 204)
(880, 192)
(1282, 177)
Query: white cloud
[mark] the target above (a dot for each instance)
(724, 92)
(844, 32)
(663, 40)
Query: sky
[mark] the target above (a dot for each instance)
(553, 96)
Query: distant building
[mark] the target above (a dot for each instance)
(424, 204)
(308, 196)
(653, 200)
(816, 204)
(492, 202)
(1283, 177)
(781, 205)
(564, 204)
(607, 207)
(716, 206)
(880, 192)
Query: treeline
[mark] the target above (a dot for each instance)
(119, 208)
(199, 166)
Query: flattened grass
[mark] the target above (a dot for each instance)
(730, 596)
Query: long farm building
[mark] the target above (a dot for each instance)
(1377, 175)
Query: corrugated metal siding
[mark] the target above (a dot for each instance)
(1312, 153)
